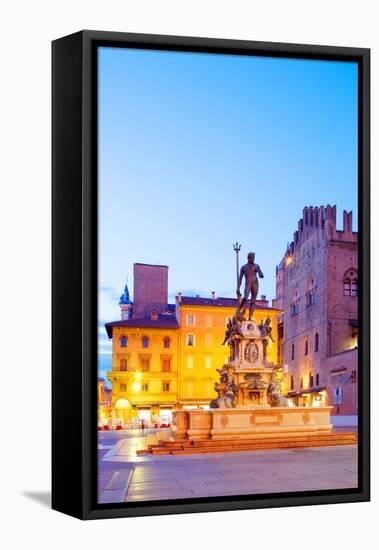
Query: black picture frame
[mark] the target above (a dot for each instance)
(74, 272)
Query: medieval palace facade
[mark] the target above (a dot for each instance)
(317, 285)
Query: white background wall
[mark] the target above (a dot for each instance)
(26, 31)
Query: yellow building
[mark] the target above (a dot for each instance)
(202, 324)
(104, 402)
(169, 360)
(144, 373)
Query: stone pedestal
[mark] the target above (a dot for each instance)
(180, 421)
(252, 423)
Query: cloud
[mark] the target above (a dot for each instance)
(107, 289)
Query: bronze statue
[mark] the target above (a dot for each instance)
(233, 328)
(274, 392)
(265, 328)
(250, 272)
(227, 391)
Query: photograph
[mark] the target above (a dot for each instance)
(228, 280)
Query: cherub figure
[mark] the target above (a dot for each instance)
(266, 328)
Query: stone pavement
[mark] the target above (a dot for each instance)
(125, 477)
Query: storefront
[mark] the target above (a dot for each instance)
(311, 397)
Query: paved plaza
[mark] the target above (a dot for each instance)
(126, 477)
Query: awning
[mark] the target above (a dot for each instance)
(315, 389)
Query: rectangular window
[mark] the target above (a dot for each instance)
(292, 352)
(208, 340)
(310, 380)
(208, 362)
(208, 320)
(189, 362)
(190, 340)
(166, 365)
(166, 386)
(337, 396)
(292, 382)
(301, 382)
(354, 288)
(122, 387)
(306, 347)
(145, 365)
(145, 387)
(190, 320)
(317, 379)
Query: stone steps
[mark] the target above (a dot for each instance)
(237, 445)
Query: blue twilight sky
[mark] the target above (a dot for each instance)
(197, 151)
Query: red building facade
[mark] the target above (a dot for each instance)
(317, 290)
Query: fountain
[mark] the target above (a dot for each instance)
(249, 412)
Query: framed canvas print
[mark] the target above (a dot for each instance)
(210, 274)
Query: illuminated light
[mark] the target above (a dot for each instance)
(136, 386)
(122, 403)
(138, 375)
(288, 260)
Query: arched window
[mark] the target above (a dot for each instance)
(292, 352)
(123, 364)
(316, 341)
(145, 342)
(350, 283)
(311, 292)
(306, 347)
(295, 303)
(123, 341)
(310, 380)
(166, 342)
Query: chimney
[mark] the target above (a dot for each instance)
(154, 315)
(179, 297)
(213, 295)
(263, 298)
(274, 303)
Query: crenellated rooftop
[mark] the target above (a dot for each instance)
(320, 218)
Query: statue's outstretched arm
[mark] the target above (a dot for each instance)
(259, 272)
